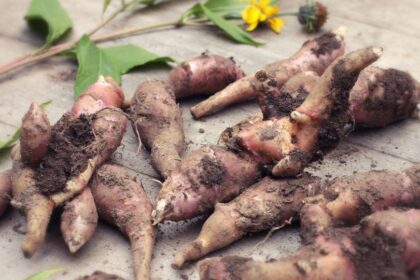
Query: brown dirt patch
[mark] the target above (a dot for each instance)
(326, 44)
(213, 172)
(68, 153)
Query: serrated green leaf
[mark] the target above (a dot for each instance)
(229, 28)
(12, 139)
(106, 4)
(53, 15)
(45, 274)
(113, 61)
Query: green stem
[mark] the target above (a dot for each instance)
(288, 14)
(131, 31)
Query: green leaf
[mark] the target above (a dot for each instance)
(114, 62)
(11, 141)
(231, 29)
(45, 274)
(106, 4)
(134, 4)
(224, 8)
(51, 13)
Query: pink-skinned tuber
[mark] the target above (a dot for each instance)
(290, 142)
(385, 245)
(315, 55)
(157, 119)
(80, 142)
(346, 200)
(123, 203)
(5, 190)
(79, 220)
(208, 175)
(267, 204)
(34, 138)
(203, 75)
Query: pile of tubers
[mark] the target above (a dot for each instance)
(364, 226)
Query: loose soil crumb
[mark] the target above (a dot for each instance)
(213, 172)
(326, 44)
(68, 153)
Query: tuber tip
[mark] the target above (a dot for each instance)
(340, 32)
(378, 51)
(161, 209)
(299, 117)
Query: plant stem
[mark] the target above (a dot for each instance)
(134, 30)
(108, 19)
(54, 50)
(57, 49)
(288, 14)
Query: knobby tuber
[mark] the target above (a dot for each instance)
(383, 96)
(122, 202)
(316, 126)
(5, 190)
(379, 97)
(34, 138)
(79, 220)
(157, 119)
(36, 207)
(203, 75)
(314, 55)
(267, 204)
(80, 141)
(346, 200)
(386, 245)
(208, 175)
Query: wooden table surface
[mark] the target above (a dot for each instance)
(394, 25)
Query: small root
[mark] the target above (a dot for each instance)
(270, 233)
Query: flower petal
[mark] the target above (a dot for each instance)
(276, 24)
(271, 11)
(251, 14)
(252, 26)
(263, 4)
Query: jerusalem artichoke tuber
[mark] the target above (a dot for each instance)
(5, 190)
(203, 75)
(123, 203)
(34, 139)
(316, 126)
(79, 220)
(346, 200)
(208, 175)
(385, 245)
(79, 143)
(314, 55)
(267, 204)
(157, 119)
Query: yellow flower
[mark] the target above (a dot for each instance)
(261, 11)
